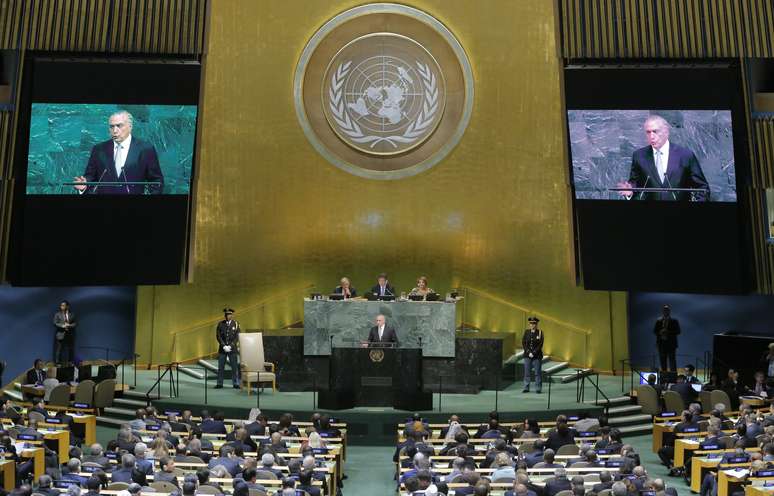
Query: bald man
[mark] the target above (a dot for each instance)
(662, 164)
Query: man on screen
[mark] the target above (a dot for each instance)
(662, 164)
(122, 159)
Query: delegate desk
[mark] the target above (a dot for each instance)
(8, 469)
(349, 321)
(376, 377)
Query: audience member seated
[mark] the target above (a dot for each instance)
(503, 468)
(227, 459)
(559, 482)
(166, 472)
(548, 460)
(605, 482)
(559, 437)
(531, 429)
(212, 425)
(267, 464)
(684, 389)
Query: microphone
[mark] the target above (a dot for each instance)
(99, 180)
(123, 173)
(420, 341)
(387, 290)
(331, 336)
(647, 180)
(669, 184)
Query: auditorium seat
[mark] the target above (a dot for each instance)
(205, 489)
(673, 402)
(705, 398)
(647, 398)
(117, 486)
(36, 416)
(48, 385)
(254, 365)
(567, 449)
(163, 486)
(104, 393)
(564, 493)
(720, 396)
(265, 475)
(60, 395)
(84, 392)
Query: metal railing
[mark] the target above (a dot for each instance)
(170, 369)
(580, 388)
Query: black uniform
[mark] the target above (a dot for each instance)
(227, 334)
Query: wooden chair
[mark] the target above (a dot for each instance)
(647, 398)
(673, 402)
(84, 392)
(254, 367)
(60, 395)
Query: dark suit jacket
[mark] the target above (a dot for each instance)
(210, 426)
(683, 171)
(388, 336)
(556, 485)
(142, 164)
(390, 291)
(32, 377)
(685, 391)
(59, 322)
(669, 341)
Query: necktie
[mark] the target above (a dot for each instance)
(659, 165)
(116, 157)
(39, 376)
(381, 331)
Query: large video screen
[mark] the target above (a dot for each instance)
(658, 166)
(104, 170)
(662, 155)
(81, 148)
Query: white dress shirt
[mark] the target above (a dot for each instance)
(381, 332)
(120, 150)
(661, 165)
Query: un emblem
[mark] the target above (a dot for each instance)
(383, 91)
(385, 95)
(376, 356)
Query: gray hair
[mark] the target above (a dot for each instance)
(140, 449)
(219, 472)
(45, 481)
(74, 490)
(560, 472)
(267, 459)
(74, 465)
(127, 461)
(95, 449)
(660, 120)
(618, 489)
(129, 117)
(308, 463)
(720, 407)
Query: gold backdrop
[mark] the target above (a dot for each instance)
(272, 216)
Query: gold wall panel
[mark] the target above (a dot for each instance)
(272, 214)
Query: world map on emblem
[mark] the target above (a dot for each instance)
(383, 94)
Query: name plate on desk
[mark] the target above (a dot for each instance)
(376, 381)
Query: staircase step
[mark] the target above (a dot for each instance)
(209, 365)
(636, 429)
(623, 410)
(618, 400)
(115, 411)
(556, 367)
(129, 403)
(110, 422)
(191, 372)
(630, 419)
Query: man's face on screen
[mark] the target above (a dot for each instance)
(120, 128)
(656, 133)
(380, 320)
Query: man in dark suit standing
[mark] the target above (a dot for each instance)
(383, 286)
(227, 334)
(662, 164)
(666, 330)
(64, 338)
(381, 333)
(122, 158)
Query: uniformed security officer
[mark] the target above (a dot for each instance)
(532, 343)
(227, 334)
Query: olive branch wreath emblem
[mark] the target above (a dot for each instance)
(352, 129)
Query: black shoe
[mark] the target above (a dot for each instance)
(538, 391)
(219, 386)
(525, 390)
(237, 386)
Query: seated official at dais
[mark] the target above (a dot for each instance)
(421, 289)
(345, 288)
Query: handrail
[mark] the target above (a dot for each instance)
(632, 370)
(173, 388)
(262, 303)
(581, 389)
(526, 310)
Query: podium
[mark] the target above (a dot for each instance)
(664, 194)
(376, 377)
